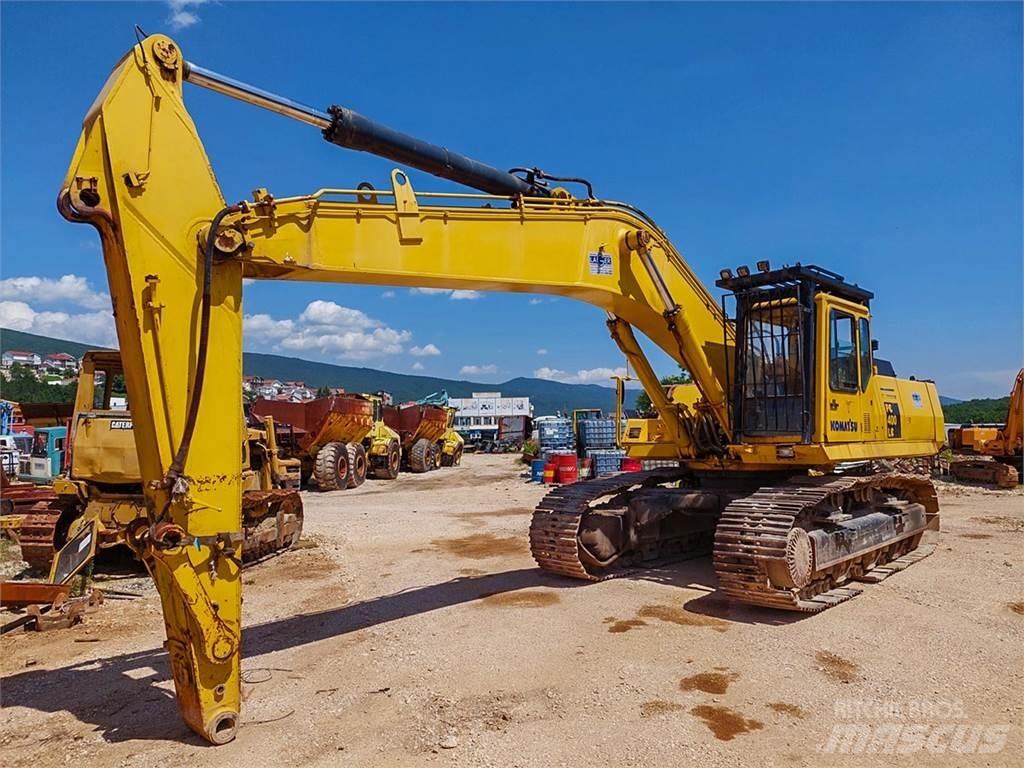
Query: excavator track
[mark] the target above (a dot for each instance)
(765, 534)
(272, 524)
(989, 471)
(556, 522)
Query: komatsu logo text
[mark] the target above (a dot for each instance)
(843, 426)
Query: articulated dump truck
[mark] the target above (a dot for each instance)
(101, 487)
(338, 439)
(428, 440)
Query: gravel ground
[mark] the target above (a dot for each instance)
(415, 630)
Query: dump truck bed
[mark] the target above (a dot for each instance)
(413, 422)
(335, 419)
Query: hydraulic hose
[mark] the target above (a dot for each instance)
(178, 464)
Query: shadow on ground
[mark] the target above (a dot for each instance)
(110, 693)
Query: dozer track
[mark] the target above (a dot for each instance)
(272, 524)
(763, 552)
(555, 527)
(36, 534)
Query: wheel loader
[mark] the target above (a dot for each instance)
(776, 438)
(102, 487)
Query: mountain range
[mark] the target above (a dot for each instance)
(547, 396)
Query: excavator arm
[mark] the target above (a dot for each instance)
(176, 254)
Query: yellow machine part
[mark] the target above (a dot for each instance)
(104, 448)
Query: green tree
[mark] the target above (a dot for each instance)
(643, 401)
(323, 391)
(22, 386)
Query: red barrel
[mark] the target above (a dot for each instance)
(549, 474)
(568, 473)
(631, 465)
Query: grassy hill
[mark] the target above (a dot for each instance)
(41, 345)
(546, 396)
(982, 411)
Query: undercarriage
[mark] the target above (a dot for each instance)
(794, 545)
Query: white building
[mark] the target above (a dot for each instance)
(480, 413)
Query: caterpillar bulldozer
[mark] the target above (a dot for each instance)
(102, 487)
(776, 437)
(992, 455)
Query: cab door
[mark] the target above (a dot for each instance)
(843, 406)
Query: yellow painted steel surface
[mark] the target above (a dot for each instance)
(141, 176)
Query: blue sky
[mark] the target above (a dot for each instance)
(882, 141)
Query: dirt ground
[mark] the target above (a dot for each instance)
(419, 632)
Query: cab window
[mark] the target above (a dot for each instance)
(842, 352)
(865, 354)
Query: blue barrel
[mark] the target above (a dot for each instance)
(537, 470)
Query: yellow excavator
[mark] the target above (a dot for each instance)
(777, 435)
(1002, 448)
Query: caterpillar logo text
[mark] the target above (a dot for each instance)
(843, 426)
(121, 424)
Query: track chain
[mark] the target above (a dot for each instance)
(556, 520)
(754, 529)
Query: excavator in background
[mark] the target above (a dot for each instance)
(992, 455)
(101, 490)
(776, 437)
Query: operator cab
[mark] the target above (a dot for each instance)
(789, 323)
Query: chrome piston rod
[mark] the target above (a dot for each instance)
(214, 81)
(347, 128)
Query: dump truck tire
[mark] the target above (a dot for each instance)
(420, 459)
(392, 463)
(434, 456)
(331, 467)
(452, 460)
(356, 465)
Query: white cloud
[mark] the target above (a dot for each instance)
(429, 350)
(584, 376)
(329, 329)
(327, 313)
(68, 289)
(542, 351)
(417, 366)
(429, 291)
(181, 17)
(86, 327)
(388, 295)
(479, 370)
(536, 301)
(454, 295)
(265, 328)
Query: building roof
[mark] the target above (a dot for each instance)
(61, 356)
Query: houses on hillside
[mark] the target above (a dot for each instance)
(58, 362)
(276, 389)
